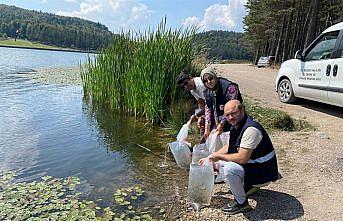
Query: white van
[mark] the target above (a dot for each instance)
(317, 72)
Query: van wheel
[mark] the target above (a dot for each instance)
(285, 91)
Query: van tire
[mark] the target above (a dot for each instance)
(285, 91)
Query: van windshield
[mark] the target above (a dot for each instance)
(323, 47)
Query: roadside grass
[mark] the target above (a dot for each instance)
(272, 119)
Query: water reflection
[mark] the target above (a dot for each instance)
(48, 129)
(144, 148)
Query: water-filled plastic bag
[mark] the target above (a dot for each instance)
(214, 142)
(200, 185)
(181, 153)
(199, 151)
(225, 137)
(183, 133)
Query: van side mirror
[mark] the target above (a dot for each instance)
(298, 55)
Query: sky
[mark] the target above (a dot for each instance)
(139, 15)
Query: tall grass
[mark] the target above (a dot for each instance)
(136, 73)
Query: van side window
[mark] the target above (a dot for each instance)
(323, 47)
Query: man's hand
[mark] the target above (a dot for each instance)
(202, 161)
(219, 129)
(207, 133)
(214, 156)
(193, 118)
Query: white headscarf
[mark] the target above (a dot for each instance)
(209, 71)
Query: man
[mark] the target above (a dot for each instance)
(196, 87)
(218, 92)
(249, 158)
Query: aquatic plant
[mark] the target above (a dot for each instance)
(57, 199)
(136, 73)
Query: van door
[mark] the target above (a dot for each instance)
(335, 89)
(314, 76)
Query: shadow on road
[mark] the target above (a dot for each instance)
(321, 107)
(270, 205)
(273, 205)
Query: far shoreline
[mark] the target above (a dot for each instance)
(50, 49)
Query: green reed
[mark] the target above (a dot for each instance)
(136, 73)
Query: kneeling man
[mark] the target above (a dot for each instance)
(249, 159)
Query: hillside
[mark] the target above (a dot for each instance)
(222, 45)
(52, 29)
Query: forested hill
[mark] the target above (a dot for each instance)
(52, 29)
(281, 27)
(222, 45)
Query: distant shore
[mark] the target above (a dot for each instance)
(48, 49)
(56, 75)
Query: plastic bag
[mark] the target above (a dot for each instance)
(199, 151)
(200, 184)
(214, 142)
(225, 137)
(183, 133)
(181, 153)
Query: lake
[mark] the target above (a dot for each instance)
(48, 129)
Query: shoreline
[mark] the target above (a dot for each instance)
(49, 49)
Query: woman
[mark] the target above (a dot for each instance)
(218, 92)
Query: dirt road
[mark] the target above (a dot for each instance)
(311, 162)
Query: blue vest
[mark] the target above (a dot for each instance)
(261, 168)
(215, 100)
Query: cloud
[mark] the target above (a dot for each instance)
(191, 21)
(223, 17)
(73, 1)
(116, 14)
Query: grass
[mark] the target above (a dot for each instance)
(136, 73)
(272, 119)
(25, 43)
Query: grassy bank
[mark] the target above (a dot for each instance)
(272, 119)
(136, 73)
(25, 43)
(20, 43)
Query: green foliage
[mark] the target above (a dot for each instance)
(136, 73)
(56, 199)
(180, 113)
(222, 45)
(52, 29)
(274, 119)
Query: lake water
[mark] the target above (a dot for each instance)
(47, 129)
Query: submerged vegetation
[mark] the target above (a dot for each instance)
(136, 73)
(57, 199)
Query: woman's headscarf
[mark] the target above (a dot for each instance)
(209, 71)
